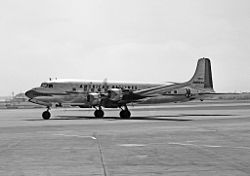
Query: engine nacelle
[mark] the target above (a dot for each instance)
(115, 94)
(93, 98)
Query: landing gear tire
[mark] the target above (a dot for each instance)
(125, 114)
(46, 115)
(99, 113)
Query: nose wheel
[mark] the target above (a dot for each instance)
(46, 114)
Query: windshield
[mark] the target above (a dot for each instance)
(45, 85)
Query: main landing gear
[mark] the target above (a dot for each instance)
(46, 114)
(99, 113)
(125, 113)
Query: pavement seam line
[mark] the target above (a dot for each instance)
(101, 155)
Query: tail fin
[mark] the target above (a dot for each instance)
(203, 75)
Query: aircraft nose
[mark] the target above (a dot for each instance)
(30, 93)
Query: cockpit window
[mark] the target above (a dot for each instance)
(44, 85)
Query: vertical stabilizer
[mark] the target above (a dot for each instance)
(203, 75)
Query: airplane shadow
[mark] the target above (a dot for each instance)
(150, 117)
(178, 117)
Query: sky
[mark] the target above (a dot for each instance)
(152, 41)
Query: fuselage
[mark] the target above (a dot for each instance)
(74, 92)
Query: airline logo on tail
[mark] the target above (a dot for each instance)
(199, 81)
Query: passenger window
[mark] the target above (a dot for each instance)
(175, 91)
(74, 89)
(50, 85)
(81, 86)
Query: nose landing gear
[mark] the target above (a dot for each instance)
(46, 114)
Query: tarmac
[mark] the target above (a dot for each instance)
(202, 138)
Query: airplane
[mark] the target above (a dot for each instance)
(103, 94)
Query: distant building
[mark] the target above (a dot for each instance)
(16, 101)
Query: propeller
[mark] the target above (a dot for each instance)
(188, 93)
(87, 92)
(105, 85)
